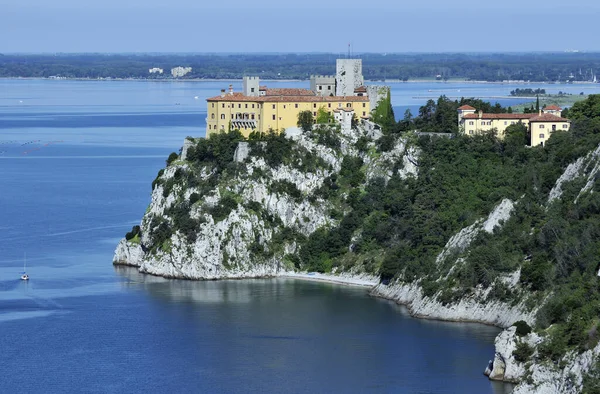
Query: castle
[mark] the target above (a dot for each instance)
(258, 108)
(541, 125)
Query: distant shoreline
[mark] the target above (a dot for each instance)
(517, 82)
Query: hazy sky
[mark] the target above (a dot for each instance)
(297, 26)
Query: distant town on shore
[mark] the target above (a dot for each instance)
(563, 67)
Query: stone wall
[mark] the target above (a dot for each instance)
(376, 93)
(348, 76)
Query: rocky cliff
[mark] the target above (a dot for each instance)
(344, 202)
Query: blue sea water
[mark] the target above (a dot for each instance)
(77, 159)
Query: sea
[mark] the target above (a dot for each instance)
(77, 159)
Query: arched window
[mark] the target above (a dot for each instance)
(212, 116)
(222, 116)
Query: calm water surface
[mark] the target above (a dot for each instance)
(76, 164)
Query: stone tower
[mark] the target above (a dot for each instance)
(250, 86)
(348, 76)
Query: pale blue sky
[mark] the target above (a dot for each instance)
(297, 26)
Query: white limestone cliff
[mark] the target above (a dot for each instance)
(461, 241)
(476, 308)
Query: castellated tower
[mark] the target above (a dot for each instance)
(348, 76)
(250, 86)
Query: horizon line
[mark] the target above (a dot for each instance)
(382, 53)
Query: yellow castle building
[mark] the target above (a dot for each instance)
(274, 109)
(258, 108)
(540, 125)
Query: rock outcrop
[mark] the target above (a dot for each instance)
(246, 220)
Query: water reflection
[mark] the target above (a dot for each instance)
(276, 326)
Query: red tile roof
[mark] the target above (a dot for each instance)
(466, 108)
(238, 96)
(360, 89)
(289, 92)
(553, 108)
(499, 116)
(547, 118)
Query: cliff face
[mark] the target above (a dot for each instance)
(258, 208)
(252, 238)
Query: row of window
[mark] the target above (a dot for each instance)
(349, 105)
(210, 127)
(564, 126)
(488, 123)
(237, 116)
(232, 105)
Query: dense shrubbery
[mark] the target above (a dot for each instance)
(172, 157)
(522, 328)
(217, 149)
(227, 204)
(523, 352)
(135, 232)
(276, 150)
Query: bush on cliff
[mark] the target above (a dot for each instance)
(522, 328)
(135, 231)
(218, 149)
(172, 157)
(523, 352)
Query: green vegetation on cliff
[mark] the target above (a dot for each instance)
(384, 221)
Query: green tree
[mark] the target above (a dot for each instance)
(383, 114)
(324, 116)
(305, 120)
(172, 157)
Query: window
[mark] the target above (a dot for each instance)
(246, 105)
(273, 108)
(513, 122)
(329, 105)
(320, 87)
(364, 105)
(223, 105)
(542, 136)
(212, 116)
(505, 123)
(314, 105)
(252, 116)
(364, 113)
(222, 127)
(542, 126)
(252, 90)
(231, 116)
(565, 126)
(273, 117)
(295, 105)
(471, 123)
(348, 105)
(553, 127)
(482, 123)
(329, 87)
(314, 114)
(212, 105)
(209, 127)
(471, 132)
(239, 105)
(252, 105)
(283, 106)
(222, 116)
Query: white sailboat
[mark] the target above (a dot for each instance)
(24, 275)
